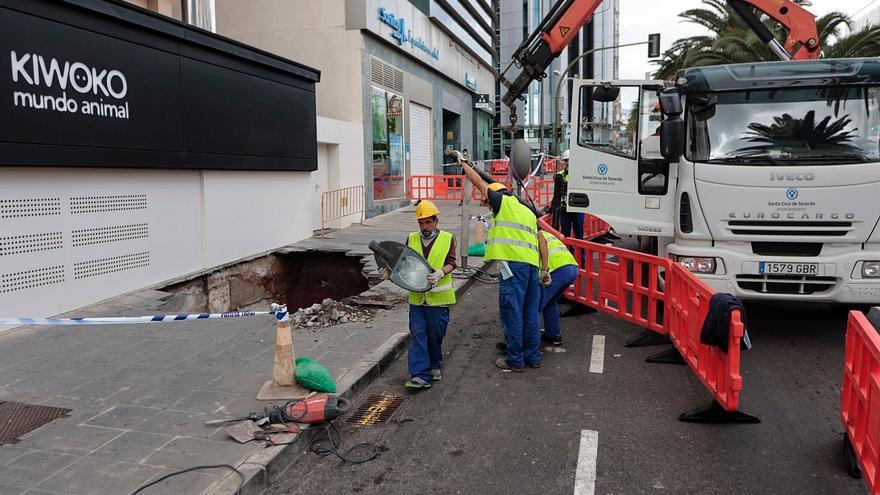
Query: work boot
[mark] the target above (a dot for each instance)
(502, 363)
(555, 340)
(436, 375)
(417, 383)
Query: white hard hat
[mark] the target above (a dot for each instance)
(565, 154)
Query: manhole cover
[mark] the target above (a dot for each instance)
(376, 409)
(18, 418)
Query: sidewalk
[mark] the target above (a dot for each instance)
(140, 394)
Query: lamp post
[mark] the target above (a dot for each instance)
(562, 78)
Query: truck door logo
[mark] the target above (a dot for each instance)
(791, 193)
(603, 169)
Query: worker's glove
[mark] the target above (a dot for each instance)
(435, 276)
(384, 273)
(545, 278)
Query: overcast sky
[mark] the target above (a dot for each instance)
(640, 17)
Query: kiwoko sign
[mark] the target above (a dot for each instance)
(80, 87)
(84, 89)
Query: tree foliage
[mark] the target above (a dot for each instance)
(731, 41)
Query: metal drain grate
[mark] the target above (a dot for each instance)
(376, 409)
(18, 418)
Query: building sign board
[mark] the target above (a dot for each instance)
(482, 102)
(403, 35)
(73, 95)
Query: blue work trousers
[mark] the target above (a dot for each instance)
(427, 327)
(569, 220)
(518, 298)
(562, 277)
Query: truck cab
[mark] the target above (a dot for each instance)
(762, 178)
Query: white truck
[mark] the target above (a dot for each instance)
(762, 178)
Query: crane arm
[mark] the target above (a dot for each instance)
(803, 37)
(535, 54)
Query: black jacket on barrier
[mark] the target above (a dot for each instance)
(716, 326)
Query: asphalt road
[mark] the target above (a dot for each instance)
(484, 431)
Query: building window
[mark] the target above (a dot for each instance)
(389, 178)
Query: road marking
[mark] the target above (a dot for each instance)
(597, 357)
(585, 475)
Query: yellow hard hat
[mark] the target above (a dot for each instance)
(426, 209)
(497, 186)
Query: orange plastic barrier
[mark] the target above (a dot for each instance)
(860, 396)
(687, 306)
(506, 180)
(541, 191)
(550, 166)
(667, 299)
(620, 282)
(436, 187)
(500, 167)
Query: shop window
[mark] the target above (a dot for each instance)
(389, 180)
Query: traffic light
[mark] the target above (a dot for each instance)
(654, 45)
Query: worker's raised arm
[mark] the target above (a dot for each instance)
(472, 175)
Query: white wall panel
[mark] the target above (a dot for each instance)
(70, 237)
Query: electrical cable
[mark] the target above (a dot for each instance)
(322, 451)
(863, 8)
(195, 468)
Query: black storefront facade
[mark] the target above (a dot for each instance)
(116, 120)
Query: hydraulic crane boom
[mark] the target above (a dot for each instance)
(566, 18)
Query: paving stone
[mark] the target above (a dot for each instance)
(46, 385)
(68, 438)
(33, 466)
(339, 359)
(147, 375)
(97, 476)
(191, 482)
(98, 390)
(204, 401)
(181, 452)
(189, 379)
(132, 446)
(240, 383)
(124, 417)
(10, 490)
(181, 423)
(148, 395)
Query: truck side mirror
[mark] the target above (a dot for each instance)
(606, 93)
(672, 127)
(672, 138)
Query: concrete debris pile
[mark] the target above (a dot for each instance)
(327, 313)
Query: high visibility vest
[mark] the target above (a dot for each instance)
(558, 254)
(443, 294)
(514, 236)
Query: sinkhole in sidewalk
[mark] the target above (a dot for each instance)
(298, 279)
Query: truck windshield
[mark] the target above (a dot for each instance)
(804, 126)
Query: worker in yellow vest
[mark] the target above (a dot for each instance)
(559, 270)
(429, 311)
(513, 243)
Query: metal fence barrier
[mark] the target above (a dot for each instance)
(341, 203)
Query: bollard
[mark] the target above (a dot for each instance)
(282, 386)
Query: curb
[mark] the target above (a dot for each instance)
(263, 466)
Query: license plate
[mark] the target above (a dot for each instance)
(768, 267)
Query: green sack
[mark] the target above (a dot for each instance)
(314, 376)
(477, 249)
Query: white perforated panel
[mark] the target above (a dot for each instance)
(102, 235)
(97, 204)
(10, 282)
(32, 243)
(93, 268)
(29, 207)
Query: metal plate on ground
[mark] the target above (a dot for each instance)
(18, 418)
(375, 409)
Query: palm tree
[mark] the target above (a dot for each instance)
(731, 41)
(805, 131)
